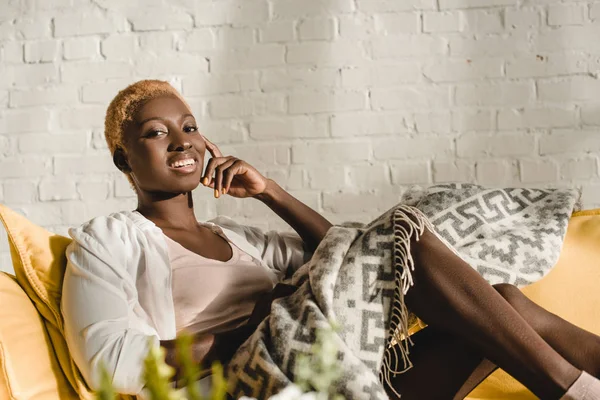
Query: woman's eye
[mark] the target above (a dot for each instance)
(189, 129)
(154, 133)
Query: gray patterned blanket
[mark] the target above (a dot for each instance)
(359, 274)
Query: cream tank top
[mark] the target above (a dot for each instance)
(212, 296)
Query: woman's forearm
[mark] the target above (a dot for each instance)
(309, 224)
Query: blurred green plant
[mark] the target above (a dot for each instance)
(315, 372)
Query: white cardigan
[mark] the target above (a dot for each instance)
(117, 300)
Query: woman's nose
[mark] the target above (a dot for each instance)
(180, 142)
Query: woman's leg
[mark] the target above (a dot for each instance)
(452, 297)
(578, 346)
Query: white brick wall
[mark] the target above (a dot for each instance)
(344, 102)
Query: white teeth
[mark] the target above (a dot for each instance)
(183, 163)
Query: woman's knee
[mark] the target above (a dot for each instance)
(509, 292)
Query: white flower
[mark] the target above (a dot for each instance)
(291, 392)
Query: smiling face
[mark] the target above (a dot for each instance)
(163, 148)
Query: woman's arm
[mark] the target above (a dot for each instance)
(309, 224)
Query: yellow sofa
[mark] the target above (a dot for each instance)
(35, 365)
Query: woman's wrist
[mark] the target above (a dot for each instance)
(271, 193)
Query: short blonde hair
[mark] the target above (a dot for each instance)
(126, 103)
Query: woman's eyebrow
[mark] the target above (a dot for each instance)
(161, 119)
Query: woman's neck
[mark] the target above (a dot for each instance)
(168, 211)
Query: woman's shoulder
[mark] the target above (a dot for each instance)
(116, 225)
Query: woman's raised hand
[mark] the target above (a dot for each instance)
(230, 175)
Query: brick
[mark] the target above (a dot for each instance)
(354, 203)
(410, 97)
(236, 106)
(294, 77)
(316, 29)
(35, 74)
(43, 214)
(209, 84)
(570, 141)
(24, 167)
(20, 192)
(119, 47)
(582, 168)
(88, 164)
(82, 117)
(382, 75)
(94, 191)
(27, 120)
(277, 32)
(318, 102)
(395, 6)
(356, 26)
(453, 70)
(477, 145)
(406, 46)
(98, 139)
(590, 196)
(44, 143)
(454, 4)
(152, 66)
(505, 94)
(538, 171)
(41, 51)
(12, 52)
(332, 177)
(590, 115)
(289, 127)
(340, 53)
(361, 124)
(570, 38)
(496, 173)
(227, 37)
(446, 21)
(79, 24)
(260, 155)
(231, 12)
(259, 56)
(482, 21)
(33, 27)
(490, 46)
(288, 178)
(367, 177)
(44, 96)
(57, 189)
(286, 9)
(146, 19)
(159, 42)
(83, 48)
(413, 147)
(577, 88)
(472, 120)
(521, 18)
(332, 153)
(410, 173)
(122, 187)
(104, 92)
(566, 14)
(223, 131)
(547, 117)
(432, 122)
(595, 11)
(89, 71)
(546, 66)
(453, 171)
(397, 23)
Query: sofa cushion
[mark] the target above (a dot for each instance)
(39, 263)
(29, 368)
(570, 291)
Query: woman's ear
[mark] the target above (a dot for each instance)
(120, 160)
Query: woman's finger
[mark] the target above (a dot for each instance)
(219, 170)
(212, 148)
(230, 173)
(210, 169)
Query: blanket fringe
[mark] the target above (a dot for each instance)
(409, 223)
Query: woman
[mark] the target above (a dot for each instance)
(136, 279)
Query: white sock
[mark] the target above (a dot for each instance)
(586, 387)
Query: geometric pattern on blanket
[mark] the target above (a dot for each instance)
(508, 235)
